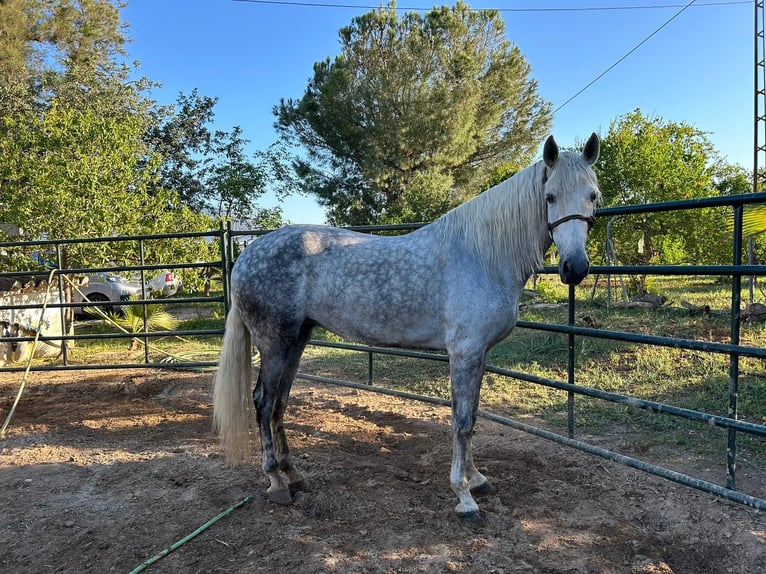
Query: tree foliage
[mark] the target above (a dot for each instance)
(413, 114)
(73, 160)
(85, 152)
(74, 173)
(63, 49)
(210, 169)
(181, 135)
(646, 160)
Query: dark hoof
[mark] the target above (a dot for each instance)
(300, 486)
(468, 511)
(472, 516)
(484, 489)
(281, 496)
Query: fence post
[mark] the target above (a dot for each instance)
(736, 294)
(66, 311)
(571, 366)
(144, 310)
(369, 367)
(224, 235)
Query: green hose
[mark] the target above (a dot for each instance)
(160, 555)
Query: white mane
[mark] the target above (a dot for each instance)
(506, 225)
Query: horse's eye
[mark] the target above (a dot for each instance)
(593, 196)
(550, 198)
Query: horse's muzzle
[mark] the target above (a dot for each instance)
(573, 270)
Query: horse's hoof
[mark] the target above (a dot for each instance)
(299, 486)
(281, 496)
(467, 512)
(469, 516)
(484, 489)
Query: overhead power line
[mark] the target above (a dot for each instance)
(683, 7)
(299, 3)
(625, 56)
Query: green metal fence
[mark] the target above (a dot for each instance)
(734, 350)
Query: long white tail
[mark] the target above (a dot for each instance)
(232, 400)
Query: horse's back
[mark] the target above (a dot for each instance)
(383, 290)
(290, 247)
(275, 267)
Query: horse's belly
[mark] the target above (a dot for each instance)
(419, 336)
(393, 318)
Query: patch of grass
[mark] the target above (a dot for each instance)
(114, 351)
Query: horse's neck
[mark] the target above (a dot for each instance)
(504, 227)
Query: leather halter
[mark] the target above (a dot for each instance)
(589, 219)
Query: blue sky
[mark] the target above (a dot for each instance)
(698, 69)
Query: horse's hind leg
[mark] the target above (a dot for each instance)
(265, 398)
(477, 482)
(295, 480)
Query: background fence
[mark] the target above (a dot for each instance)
(226, 239)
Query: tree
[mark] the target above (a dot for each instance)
(71, 125)
(413, 115)
(74, 173)
(181, 135)
(49, 48)
(232, 182)
(211, 170)
(86, 152)
(646, 160)
(72, 160)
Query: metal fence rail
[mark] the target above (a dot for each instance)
(734, 350)
(141, 268)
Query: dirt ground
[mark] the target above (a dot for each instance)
(101, 470)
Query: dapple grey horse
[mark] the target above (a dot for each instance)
(452, 285)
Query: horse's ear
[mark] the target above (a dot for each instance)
(591, 150)
(550, 151)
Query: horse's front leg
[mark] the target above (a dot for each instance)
(466, 372)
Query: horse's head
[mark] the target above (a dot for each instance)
(571, 193)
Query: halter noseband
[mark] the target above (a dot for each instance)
(589, 219)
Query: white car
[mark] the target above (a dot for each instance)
(164, 284)
(101, 287)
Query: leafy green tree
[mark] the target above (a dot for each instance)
(211, 170)
(232, 182)
(72, 173)
(647, 160)
(54, 48)
(85, 152)
(69, 173)
(414, 114)
(180, 133)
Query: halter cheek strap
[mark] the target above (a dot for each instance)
(589, 219)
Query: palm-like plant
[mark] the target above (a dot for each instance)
(754, 220)
(144, 318)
